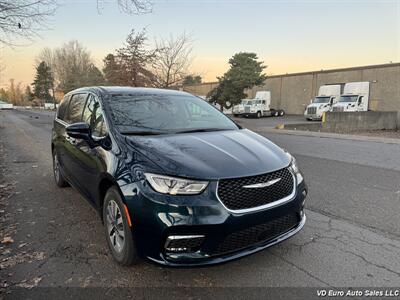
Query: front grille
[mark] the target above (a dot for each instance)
(340, 108)
(257, 234)
(235, 197)
(247, 109)
(311, 111)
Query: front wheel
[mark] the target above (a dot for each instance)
(118, 229)
(258, 115)
(58, 177)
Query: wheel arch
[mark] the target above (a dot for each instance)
(105, 183)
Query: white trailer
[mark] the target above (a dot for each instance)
(260, 106)
(327, 96)
(355, 97)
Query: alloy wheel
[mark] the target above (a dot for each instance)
(115, 226)
(56, 168)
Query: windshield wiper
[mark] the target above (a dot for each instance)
(200, 130)
(142, 132)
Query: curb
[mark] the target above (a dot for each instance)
(329, 135)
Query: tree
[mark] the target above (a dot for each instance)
(134, 61)
(25, 19)
(113, 71)
(72, 66)
(3, 95)
(43, 83)
(192, 79)
(173, 60)
(28, 95)
(132, 7)
(244, 73)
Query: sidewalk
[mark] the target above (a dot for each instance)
(329, 135)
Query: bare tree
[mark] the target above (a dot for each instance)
(23, 19)
(173, 59)
(131, 7)
(71, 65)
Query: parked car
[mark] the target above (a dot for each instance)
(174, 179)
(5, 105)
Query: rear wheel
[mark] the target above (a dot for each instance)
(58, 177)
(276, 113)
(118, 230)
(282, 113)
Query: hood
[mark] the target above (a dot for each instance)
(212, 155)
(343, 104)
(317, 105)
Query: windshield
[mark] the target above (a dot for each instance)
(246, 102)
(157, 114)
(348, 98)
(322, 99)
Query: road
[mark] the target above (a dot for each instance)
(351, 238)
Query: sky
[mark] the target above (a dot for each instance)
(289, 36)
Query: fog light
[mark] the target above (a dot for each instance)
(183, 243)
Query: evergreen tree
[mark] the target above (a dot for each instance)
(43, 83)
(245, 72)
(28, 96)
(192, 79)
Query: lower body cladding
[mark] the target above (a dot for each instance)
(199, 230)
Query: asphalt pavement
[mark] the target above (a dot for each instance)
(351, 238)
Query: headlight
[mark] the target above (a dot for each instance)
(295, 169)
(175, 186)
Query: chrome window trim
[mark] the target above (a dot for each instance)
(265, 206)
(62, 122)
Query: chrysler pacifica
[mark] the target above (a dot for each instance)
(174, 179)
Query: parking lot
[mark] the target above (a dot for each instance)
(351, 238)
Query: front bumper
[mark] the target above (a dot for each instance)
(250, 114)
(156, 217)
(313, 117)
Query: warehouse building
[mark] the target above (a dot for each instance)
(293, 92)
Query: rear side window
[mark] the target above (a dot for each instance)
(62, 109)
(76, 105)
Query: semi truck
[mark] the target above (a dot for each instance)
(238, 109)
(327, 96)
(355, 97)
(259, 107)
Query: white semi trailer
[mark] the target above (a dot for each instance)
(328, 95)
(260, 106)
(355, 97)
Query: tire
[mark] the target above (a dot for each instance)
(276, 113)
(258, 114)
(118, 232)
(282, 113)
(58, 177)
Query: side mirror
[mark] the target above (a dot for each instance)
(81, 131)
(311, 101)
